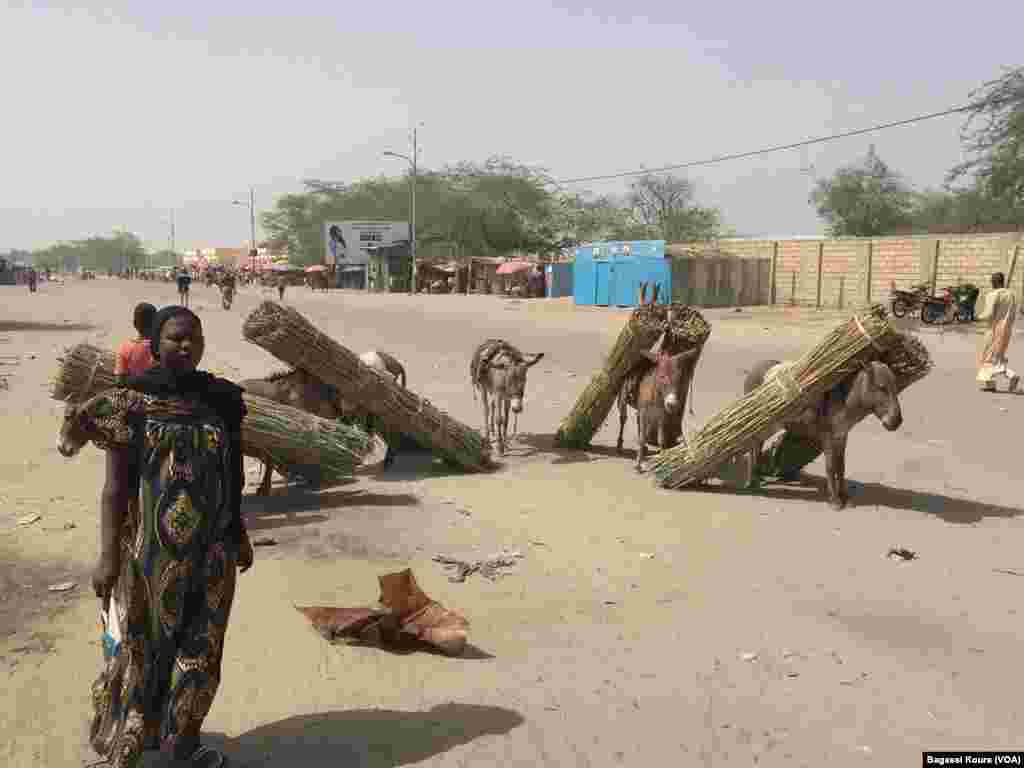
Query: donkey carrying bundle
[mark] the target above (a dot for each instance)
(681, 328)
(270, 431)
(865, 338)
(659, 385)
(291, 338)
(825, 425)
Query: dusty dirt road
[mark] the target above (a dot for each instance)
(642, 627)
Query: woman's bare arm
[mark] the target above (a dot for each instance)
(119, 487)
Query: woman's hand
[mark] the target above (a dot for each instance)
(104, 576)
(245, 553)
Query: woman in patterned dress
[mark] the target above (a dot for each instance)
(170, 561)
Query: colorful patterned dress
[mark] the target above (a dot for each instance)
(177, 580)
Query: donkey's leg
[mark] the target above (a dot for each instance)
(839, 462)
(831, 488)
(641, 440)
(487, 413)
(268, 471)
(623, 416)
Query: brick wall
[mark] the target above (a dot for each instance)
(856, 270)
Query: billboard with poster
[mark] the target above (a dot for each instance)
(347, 243)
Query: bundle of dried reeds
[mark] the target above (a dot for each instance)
(685, 328)
(866, 336)
(270, 431)
(287, 335)
(638, 335)
(83, 371)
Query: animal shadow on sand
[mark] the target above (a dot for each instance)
(367, 738)
(540, 444)
(412, 463)
(948, 508)
(282, 509)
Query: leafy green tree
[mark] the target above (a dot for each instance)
(864, 199)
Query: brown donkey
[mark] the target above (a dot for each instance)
(657, 390)
(829, 419)
(498, 371)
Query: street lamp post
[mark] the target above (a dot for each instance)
(413, 165)
(252, 224)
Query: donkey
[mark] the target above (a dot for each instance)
(501, 381)
(72, 436)
(302, 390)
(657, 391)
(829, 419)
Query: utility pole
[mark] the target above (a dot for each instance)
(412, 206)
(413, 168)
(252, 225)
(173, 254)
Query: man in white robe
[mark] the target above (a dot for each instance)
(1001, 312)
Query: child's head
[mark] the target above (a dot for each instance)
(143, 318)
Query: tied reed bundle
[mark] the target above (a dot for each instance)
(291, 338)
(866, 336)
(638, 335)
(287, 436)
(685, 328)
(83, 371)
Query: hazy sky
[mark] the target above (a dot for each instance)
(113, 116)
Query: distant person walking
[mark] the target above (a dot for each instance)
(33, 280)
(134, 357)
(281, 285)
(184, 282)
(1001, 312)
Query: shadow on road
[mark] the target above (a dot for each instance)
(375, 738)
(948, 508)
(546, 445)
(412, 463)
(289, 502)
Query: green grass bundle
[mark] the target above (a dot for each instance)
(292, 438)
(638, 335)
(291, 338)
(755, 417)
(288, 436)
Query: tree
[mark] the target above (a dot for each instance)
(994, 134)
(664, 207)
(991, 191)
(864, 199)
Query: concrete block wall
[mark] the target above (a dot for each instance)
(855, 271)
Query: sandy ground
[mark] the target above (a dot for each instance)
(642, 627)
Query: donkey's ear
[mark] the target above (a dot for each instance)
(536, 359)
(657, 289)
(643, 293)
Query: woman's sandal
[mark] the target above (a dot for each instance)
(206, 757)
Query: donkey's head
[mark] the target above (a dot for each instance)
(874, 391)
(514, 374)
(72, 436)
(670, 377)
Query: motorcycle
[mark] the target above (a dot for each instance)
(945, 308)
(904, 302)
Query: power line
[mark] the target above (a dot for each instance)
(780, 148)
